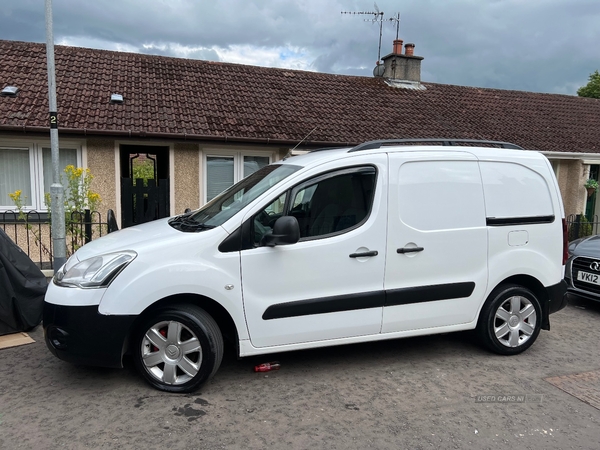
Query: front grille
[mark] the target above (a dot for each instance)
(582, 263)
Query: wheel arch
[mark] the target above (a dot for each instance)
(531, 283)
(217, 312)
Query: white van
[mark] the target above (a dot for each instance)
(381, 241)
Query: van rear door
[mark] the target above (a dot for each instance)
(436, 260)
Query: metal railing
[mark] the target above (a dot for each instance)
(579, 226)
(32, 232)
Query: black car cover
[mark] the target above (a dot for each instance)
(22, 289)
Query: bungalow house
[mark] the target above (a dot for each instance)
(204, 125)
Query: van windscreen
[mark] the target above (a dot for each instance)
(232, 200)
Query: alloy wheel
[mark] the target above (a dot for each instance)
(171, 352)
(515, 321)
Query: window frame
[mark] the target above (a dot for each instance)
(247, 240)
(326, 176)
(36, 169)
(238, 164)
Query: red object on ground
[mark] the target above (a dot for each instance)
(266, 367)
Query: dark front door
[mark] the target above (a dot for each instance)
(144, 184)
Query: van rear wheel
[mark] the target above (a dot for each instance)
(510, 320)
(178, 349)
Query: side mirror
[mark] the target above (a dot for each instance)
(285, 231)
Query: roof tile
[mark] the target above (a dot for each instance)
(192, 97)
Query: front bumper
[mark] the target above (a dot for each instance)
(81, 335)
(580, 289)
(574, 293)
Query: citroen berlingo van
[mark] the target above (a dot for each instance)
(386, 240)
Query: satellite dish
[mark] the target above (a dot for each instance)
(378, 70)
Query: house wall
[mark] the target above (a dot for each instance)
(101, 162)
(571, 177)
(187, 177)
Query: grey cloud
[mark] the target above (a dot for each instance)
(549, 46)
(206, 54)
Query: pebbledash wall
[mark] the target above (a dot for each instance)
(187, 177)
(101, 161)
(571, 176)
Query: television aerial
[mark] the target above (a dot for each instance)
(378, 18)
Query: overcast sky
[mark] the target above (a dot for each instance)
(533, 45)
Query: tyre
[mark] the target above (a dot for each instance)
(510, 320)
(178, 349)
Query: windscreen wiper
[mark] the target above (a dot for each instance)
(185, 223)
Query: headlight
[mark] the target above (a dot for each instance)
(94, 272)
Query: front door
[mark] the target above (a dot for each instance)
(436, 269)
(329, 285)
(144, 184)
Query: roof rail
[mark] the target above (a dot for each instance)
(382, 143)
(325, 149)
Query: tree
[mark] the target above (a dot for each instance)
(592, 89)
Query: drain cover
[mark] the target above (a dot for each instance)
(584, 386)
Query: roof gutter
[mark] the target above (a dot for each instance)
(595, 157)
(175, 136)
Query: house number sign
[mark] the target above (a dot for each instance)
(53, 119)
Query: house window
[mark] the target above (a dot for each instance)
(15, 174)
(224, 170)
(66, 156)
(28, 168)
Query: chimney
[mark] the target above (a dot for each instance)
(398, 46)
(404, 68)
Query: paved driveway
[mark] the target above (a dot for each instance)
(422, 393)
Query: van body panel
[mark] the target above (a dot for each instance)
(247, 349)
(317, 272)
(193, 265)
(157, 232)
(537, 258)
(437, 204)
(523, 187)
(73, 297)
(512, 190)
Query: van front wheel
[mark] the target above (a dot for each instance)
(178, 349)
(510, 321)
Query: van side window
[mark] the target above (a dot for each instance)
(335, 203)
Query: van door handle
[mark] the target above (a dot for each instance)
(410, 249)
(363, 254)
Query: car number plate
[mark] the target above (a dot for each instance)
(588, 277)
